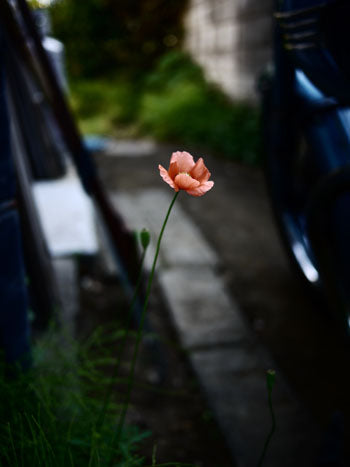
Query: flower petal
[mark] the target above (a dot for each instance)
(200, 172)
(173, 170)
(185, 182)
(184, 161)
(165, 176)
(201, 189)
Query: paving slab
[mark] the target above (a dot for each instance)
(129, 148)
(201, 309)
(183, 243)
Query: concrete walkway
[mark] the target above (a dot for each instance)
(228, 359)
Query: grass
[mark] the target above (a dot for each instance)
(173, 103)
(50, 414)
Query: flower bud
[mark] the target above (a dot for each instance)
(145, 238)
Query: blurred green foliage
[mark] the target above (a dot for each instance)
(180, 105)
(106, 106)
(129, 78)
(173, 102)
(103, 36)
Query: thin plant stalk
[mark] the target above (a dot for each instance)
(140, 330)
(270, 379)
(172, 464)
(121, 349)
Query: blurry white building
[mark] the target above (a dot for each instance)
(231, 40)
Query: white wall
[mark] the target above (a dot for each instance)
(231, 39)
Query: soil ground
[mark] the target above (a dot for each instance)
(236, 219)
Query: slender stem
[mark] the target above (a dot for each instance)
(140, 330)
(272, 413)
(172, 464)
(127, 327)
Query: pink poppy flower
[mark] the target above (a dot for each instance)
(185, 174)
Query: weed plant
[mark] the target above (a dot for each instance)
(49, 413)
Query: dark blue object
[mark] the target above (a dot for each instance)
(14, 325)
(293, 5)
(332, 448)
(306, 123)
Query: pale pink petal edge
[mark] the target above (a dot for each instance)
(184, 161)
(186, 182)
(165, 176)
(202, 189)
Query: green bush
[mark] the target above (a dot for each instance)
(180, 105)
(174, 103)
(106, 106)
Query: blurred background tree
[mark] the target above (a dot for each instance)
(104, 36)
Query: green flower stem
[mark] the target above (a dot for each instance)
(172, 464)
(127, 327)
(270, 380)
(140, 330)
